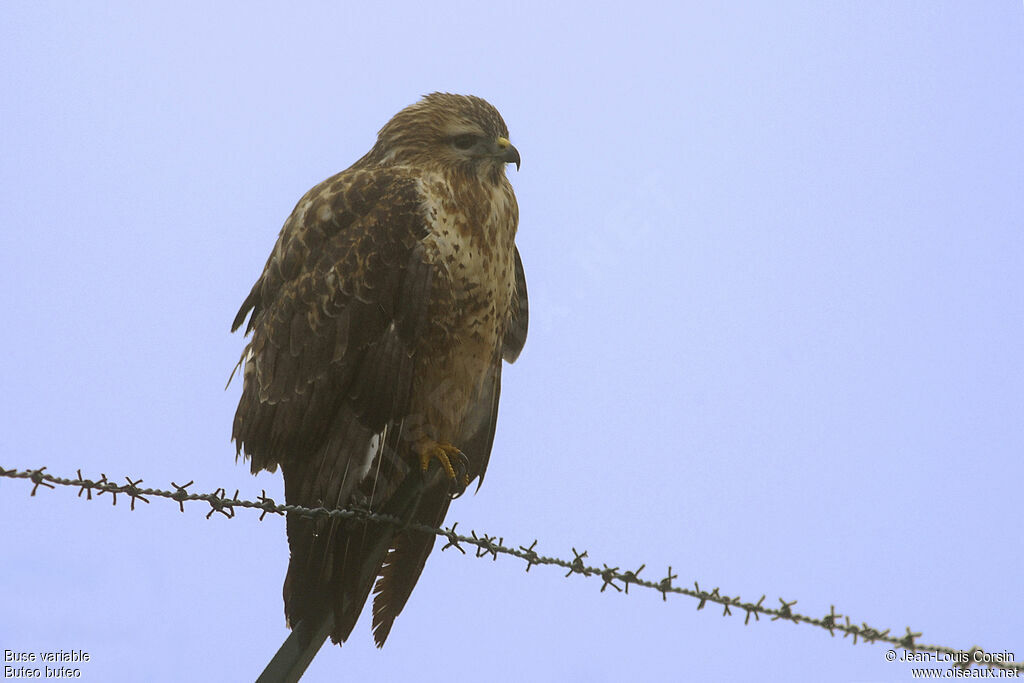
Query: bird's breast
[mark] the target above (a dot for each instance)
(471, 242)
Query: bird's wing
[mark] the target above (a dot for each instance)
(411, 548)
(335, 314)
(519, 319)
(328, 373)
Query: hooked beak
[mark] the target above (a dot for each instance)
(507, 152)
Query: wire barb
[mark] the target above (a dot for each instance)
(268, 504)
(609, 575)
(829, 620)
(628, 577)
(485, 545)
(133, 492)
(665, 585)
(453, 540)
(529, 554)
(908, 641)
(492, 546)
(38, 478)
(180, 492)
(784, 611)
(577, 565)
(86, 487)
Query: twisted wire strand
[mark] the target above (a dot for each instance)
(491, 546)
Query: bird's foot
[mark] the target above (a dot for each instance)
(454, 461)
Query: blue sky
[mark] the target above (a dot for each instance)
(775, 254)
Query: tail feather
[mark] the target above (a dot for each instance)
(405, 562)
(334, 562)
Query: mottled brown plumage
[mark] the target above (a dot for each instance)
(378, 329)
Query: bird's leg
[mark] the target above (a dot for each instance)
(454, 461)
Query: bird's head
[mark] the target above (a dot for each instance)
(459, 133)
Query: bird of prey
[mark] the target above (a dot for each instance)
(379, 326)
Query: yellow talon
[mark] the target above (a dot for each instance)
(443, 453)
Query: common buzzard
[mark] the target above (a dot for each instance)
(378, 327)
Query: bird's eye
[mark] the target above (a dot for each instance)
(464, 141)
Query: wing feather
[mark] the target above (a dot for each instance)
(334, 319)
(323, 314)
(410, 549)
(519, 319)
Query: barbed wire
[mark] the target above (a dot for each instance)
(492, 546)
